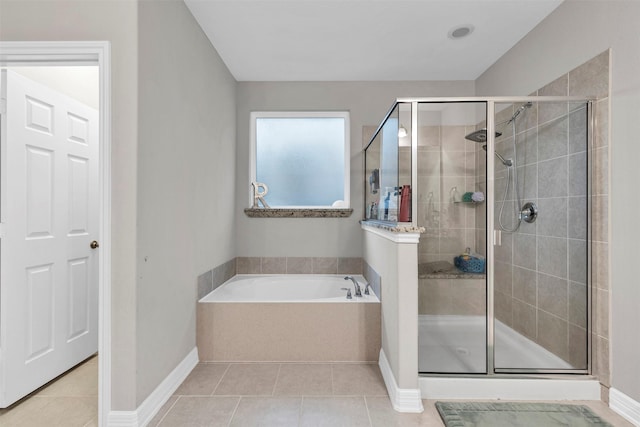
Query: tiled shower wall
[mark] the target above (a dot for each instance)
(540, 270)
(446, 160)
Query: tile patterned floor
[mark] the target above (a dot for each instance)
(244, 395)
(70, 400)
(297, 394)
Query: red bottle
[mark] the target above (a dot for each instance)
(405, 204)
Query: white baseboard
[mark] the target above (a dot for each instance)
(122, 419)
(402, 399)
(509, 388)
(158, 397)
(625, 406)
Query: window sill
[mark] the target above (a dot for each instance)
(298, 213)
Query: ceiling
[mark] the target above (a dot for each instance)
(364, 40)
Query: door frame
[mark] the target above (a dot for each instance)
(97, 53)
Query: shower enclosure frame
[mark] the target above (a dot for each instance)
(495, 235)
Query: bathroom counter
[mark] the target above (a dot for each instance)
(297, 213)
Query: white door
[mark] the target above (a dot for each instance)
(49, 213)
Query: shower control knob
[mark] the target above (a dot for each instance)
(529, 212)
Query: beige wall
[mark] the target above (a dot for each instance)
(396, 264)
(367, 102)
(171, 171)
(186, 169)
(115, 22)
(571, 35)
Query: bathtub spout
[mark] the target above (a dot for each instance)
(356, 285)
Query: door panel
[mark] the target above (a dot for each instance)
(39, 193)
(78, 298)
(49, 274)
(39, 316)
(78, 169)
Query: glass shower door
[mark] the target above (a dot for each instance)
(452, 275)
(540, 218)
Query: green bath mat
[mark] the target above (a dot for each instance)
(508, 414)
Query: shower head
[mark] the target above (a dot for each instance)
(480, 136)
(506, 162)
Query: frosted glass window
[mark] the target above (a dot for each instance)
(303, 158)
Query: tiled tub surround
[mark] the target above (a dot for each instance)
(215, 277)
(293, 328)
(298, 265)
(541, 270)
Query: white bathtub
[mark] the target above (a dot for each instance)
(288, 288)
(302, 318)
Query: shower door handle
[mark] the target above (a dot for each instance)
(497, 237)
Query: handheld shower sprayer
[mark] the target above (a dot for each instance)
(480, 136)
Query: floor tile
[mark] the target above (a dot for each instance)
(81, 381)
(334, 412)
(431, 415)
(202, 381)
(195, 411)
(382, 414)
(248, 379)
(603, 411)
(92, 423)
(267, 411)
(358, 379)
(303, 380)
(51, 412)
(163, 411)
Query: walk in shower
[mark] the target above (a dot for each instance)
(500, 187)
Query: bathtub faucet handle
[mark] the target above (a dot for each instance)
(356, 285)
(366, 289)
(348, 292)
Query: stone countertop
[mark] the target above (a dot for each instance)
(394, 228)
(452, 275)
(445, 270)
(297, 213)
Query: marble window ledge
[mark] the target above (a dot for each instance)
(297, 213)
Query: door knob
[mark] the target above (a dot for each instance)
(94, 244)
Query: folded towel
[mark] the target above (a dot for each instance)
(466, 197)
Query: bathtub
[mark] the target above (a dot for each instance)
(296, 288)
(295, 318)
